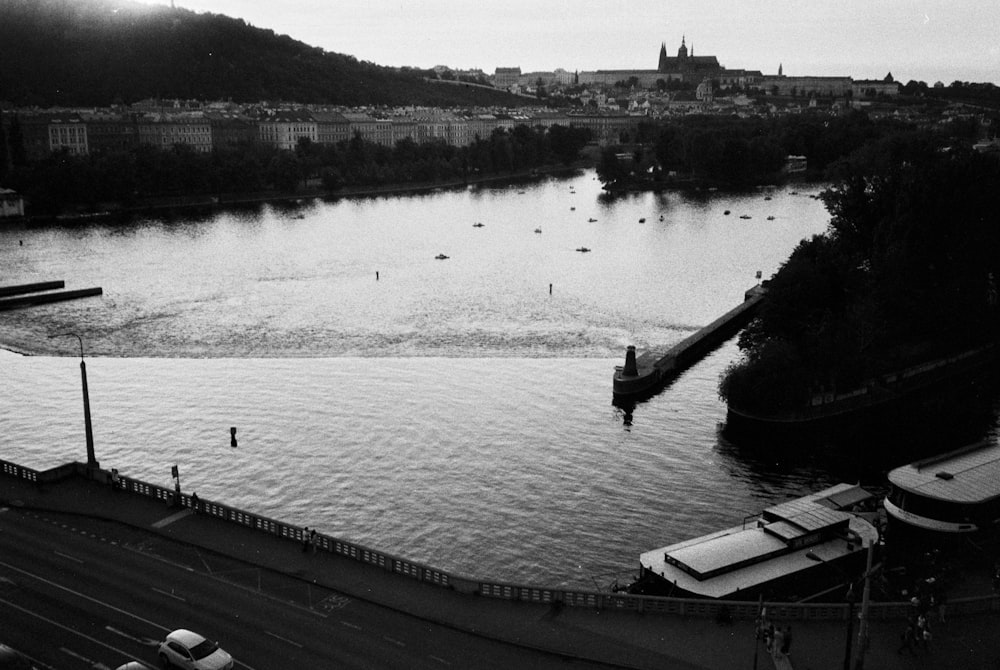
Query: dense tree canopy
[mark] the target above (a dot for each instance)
(64, 181)
(907, 271)
(741, 152)
(98, 52)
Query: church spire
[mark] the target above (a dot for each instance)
(683, 51)
(662, 66)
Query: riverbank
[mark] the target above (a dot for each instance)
(615, 629)
(311, 191)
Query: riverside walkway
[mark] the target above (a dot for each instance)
(604, 632)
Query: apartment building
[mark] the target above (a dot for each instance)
(331, 127)
(284, 128)
(164, 130)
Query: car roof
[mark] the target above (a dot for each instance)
(186, 637)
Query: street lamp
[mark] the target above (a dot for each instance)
(851, 599)
(92, 463)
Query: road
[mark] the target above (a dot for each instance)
(80, 593)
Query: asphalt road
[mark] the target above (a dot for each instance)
(80, 593)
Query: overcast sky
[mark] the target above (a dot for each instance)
(926, 40)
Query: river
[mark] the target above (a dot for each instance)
(452, 411)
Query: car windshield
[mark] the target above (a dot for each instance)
(204, 649)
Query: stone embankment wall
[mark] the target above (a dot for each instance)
(488, 588)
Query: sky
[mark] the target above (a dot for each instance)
(923, 40)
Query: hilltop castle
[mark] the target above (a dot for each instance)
(685, 67)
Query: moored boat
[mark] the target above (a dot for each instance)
(796, 550)
(947, 496)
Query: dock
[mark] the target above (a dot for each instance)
(28, 295)
(643, 374)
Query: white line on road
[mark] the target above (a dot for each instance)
(166, 521)
(351, 625)
(84, 596)
(141, 640)
(168, 594)
(68, 557)
(283, 639)
(394, 641)
(439, 660)
(73, 654)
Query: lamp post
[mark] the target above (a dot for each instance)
(851, 598)
(92, 463)
(850, 626)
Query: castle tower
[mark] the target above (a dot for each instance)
(662, 66)
(683, 51)
(779, 70)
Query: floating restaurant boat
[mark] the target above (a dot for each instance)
(797, 550)
(946, 496)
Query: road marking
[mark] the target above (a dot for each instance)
(68, 557)
(351, 625)
(439, 660)
(128, 636)
(394, 641)
(85, 597)
(73, 654)
(65, 628)
(283, 639)
(169, 594)
(166, 521)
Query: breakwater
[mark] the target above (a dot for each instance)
(27, 295)
(472, 586)
(643, 374)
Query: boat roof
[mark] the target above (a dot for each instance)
(731, 582)
(967, 475)
(723, 562)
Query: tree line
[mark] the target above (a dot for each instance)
(907, 271)
(100, 52)
(63, 181)
(734, 152)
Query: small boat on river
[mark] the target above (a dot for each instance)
(796, 550)
(442, 257)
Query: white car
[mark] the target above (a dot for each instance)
(188, 650)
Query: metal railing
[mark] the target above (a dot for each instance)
(741, 610)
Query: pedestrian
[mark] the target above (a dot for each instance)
(906, 639)
(115, 479)
(923, 632)
(769, 637)
(786, 642)
(305, 539)
(777, 641)
(195, 503)
(312, 540)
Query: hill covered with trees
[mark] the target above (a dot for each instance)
(101, 52)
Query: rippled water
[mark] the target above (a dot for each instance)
(451, 411)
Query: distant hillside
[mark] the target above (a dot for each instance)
(97, 52)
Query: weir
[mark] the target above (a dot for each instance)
(41, 293)
(643, 374)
